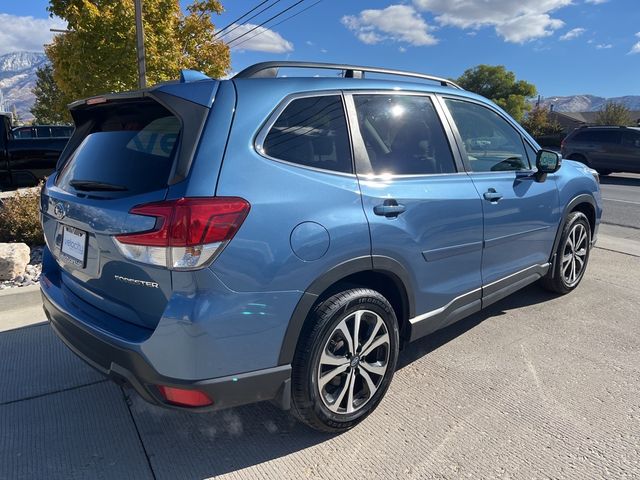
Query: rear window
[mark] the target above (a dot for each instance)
(131, 147)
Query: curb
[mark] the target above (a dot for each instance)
(626, 246)
(20, 306)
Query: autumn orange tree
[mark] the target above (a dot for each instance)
(98, 54)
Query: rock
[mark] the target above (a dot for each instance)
(14, 258)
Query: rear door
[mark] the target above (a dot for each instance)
(422, 208)
(125, 152)
(630, 161)
(521, 215)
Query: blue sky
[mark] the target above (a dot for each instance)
(564, 47)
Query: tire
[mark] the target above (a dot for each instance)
(572, 255)
(336, 384)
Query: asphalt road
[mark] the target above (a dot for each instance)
(536, 386)
(621, 197)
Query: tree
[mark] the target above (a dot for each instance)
(50, 105)
(98, 54)
(614, 113)
(537, 123)
(499, 85)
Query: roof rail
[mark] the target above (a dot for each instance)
(270, 70)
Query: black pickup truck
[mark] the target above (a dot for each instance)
(26, 161)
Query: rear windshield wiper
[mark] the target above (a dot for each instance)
(94, 186)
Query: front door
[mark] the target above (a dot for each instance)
(521, 215)
(422, 208)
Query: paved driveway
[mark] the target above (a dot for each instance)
(535, 387)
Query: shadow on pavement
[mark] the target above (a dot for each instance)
(531, 295)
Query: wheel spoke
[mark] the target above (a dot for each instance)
(573, 270)
(374, 332)
(327, 377)
(381, 340)
(352, 384)
(582, 252)
(338, 401)
(373, 368)
(566, 259)
(328, 358)
(342, 327)
(370, 385)
(356, 330)
(581, 238)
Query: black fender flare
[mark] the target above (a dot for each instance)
(375, 263)
(582, 198)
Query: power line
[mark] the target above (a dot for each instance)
(266, 21)
(248, 19)
(278, 23)
(240, 18)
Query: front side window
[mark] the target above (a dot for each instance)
(490, 142)
(311, 131)
(403, 135)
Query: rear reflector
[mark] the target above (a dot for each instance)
(185, 398)
(188, 232)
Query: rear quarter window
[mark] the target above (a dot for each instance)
(311, 132)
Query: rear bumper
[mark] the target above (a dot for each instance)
(128, 366)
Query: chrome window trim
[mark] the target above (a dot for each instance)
(258, 143)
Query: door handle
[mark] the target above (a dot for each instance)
(492, 195)
(390, 208)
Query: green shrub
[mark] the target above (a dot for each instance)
(20, 218)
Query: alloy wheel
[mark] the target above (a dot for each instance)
(353, 362)
(574, 254)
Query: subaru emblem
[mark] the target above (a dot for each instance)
(59, 211)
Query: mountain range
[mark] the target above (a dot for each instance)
(18, 77)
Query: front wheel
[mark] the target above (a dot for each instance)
(345, 360)
(572, 255)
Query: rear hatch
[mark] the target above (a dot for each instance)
(127, 150)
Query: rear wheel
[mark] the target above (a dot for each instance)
(571, 256)
(345, 360)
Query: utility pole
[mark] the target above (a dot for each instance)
(142, 68)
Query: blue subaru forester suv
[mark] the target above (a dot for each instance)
(216, 243)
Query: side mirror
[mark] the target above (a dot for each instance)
(548, 161)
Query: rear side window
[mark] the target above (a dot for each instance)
(403, 135)
(597, 136)
(131, 146)
(311, 131)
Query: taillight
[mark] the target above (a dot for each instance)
(188, 233)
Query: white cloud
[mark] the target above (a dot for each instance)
(638, 34)
(398, 23)
(596, 2)
(26, 33)
(515, 21)
(604, 46)
(635, 48)
(260, 40)
(573, 33)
